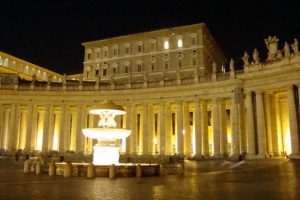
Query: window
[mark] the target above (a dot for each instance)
(139, 67)
(194, 61)
(127, 50)
(98, 54)
(179, 63)
(179, 43)
(105, 54)
(140, 48)
(89, 56)
(166, 44)
(194, 39)
(115, 52)
(104, 72)
(166, 65)
(97, 72)
(114, 70)
(126, 69)
(152, 66)
(152, 44)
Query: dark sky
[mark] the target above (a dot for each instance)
(50, 33)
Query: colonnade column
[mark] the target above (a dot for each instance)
(242, 131)
(223, 127)
(261, 132)
(293, 122)
(216, 127)
(23, 128)
(81, 121)
(179, 127)
(5, 128)
(250, 126)
(145, 129)
(278, 125)
(268, 123)
(128, 126)
(62, 129)
(186, 129)
(150, 130)
(235, 140)
(46, 128)
(51, 128)
(16, 130)
(198, 131)
(204, 125)
(162, 131)
(168, 117)
(1, 124)
(133, 135)
(12, 129)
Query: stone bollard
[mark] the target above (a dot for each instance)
(38, 167)
(68, 170)
(181, 169)
(52, 168)
(162, 170)
(26, 166)
(90, 171)
(138, 172)
(112, 171)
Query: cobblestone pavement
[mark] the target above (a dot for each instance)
(250, 180)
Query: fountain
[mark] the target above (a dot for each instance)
(106, 151)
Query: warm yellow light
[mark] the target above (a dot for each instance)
(55, 142)
(166, 44)
(179, 43)
(155, 140)
(105, 155)
(287, 141)
(229, 138)
(183, 131)
(39, 140)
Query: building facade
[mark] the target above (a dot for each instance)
(179, 95)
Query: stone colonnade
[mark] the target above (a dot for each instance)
(259, 123)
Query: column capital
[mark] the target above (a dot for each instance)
(258, 92)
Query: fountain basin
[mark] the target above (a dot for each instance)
(106, 133)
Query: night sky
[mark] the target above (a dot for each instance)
(50, 33)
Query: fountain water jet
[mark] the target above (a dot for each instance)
(106, 151)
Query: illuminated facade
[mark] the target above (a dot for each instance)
(179, 95)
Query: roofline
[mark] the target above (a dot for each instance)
(145, 33)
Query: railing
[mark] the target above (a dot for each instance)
(92, 86)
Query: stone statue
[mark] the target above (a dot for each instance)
(255, 56)
(214, 68)
(295, 47)
(245, 59)
(286, 50)
(231, 65)
(272, 45)
(279, 54)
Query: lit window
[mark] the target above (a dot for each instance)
(166, 44)
(179, 43)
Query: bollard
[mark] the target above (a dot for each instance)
(181, 169)
(38, 167)
(162, 170)
(90, 171)
(26, 166)
(68, 170)
(52, 168)
(138, 172)
(112, 171)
